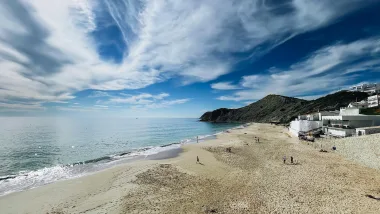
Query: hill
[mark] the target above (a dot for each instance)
(281, 108)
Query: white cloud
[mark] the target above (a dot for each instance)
(248, 102)
(167, 103)
(80, 109)
(143, 98)
(161, 96)
(20, 107)
(59, 101)
(232, 98)
(146, 101)
(101, 106)
(312, 97)
(47, 52)
(224, 86)
(99, 94)
(323, 71)
(252, 81)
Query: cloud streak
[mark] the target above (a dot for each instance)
(143, 98)
(96, 94)
(48, 50)
(224, 86)
(146, 100)
(20, 106)
(328, 69)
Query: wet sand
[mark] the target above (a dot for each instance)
(252, 178)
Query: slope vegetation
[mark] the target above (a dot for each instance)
(277, 108)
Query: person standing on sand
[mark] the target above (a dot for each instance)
(284, 158)
(197, 159)
(291, 159)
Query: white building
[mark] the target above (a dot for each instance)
(346, 123)
(317, 115)
(370, 88)
(308, 122)
(373, 101)
(359, 105)
(349, 111)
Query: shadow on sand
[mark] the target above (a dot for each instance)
(373, 197)
(293, 164)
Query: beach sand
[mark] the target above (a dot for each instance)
(252, 178)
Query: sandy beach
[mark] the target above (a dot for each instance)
(252, 178)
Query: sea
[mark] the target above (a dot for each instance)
(35, 151)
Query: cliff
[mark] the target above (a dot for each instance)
(281, 108)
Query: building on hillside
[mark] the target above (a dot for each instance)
(370, 88)
(367, 130)
(346, 123)
(359, 105)
(373, 101)
(308, 122)
(349, 111)
(317, 115)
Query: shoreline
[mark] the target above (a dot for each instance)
(96, 165)
(250, 179)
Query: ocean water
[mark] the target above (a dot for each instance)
(36, 151)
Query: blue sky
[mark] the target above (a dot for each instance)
(173, 58)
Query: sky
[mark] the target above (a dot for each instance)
(179, 58)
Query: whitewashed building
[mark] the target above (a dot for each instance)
(308, 122)
(347, 122)
(370, 88)
(373, 101)
(359, 105)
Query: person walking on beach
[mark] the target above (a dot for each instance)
(197, 159)
(284, 158)
(291, 159)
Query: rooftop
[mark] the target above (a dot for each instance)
(352, 117)
(370, 127)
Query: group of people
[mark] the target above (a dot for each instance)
(257, 139)
(291, 159)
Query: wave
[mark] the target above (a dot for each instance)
(8, 177)
(31, 179)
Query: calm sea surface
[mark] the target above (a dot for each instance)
(36, 151)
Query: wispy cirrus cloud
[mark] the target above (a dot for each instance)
(101, 106)
(20, 106)
(96, 94)
(81, 108)
(143, 98)
(146, 100)
(224, 86)
(323, 71)
(166, 103)
(51, 49)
